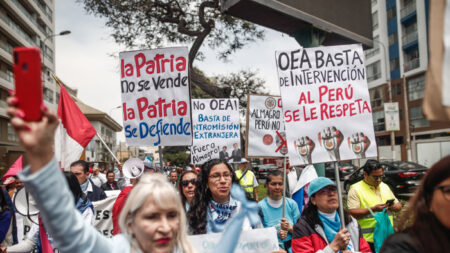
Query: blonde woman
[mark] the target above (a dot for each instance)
(152, 220)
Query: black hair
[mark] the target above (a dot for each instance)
(311, 215)
(110, 171)
(74, 186)
(418, 220)
(197, 212)
(273, 173)
(82, 163)
(371, 165)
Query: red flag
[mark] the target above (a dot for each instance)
(14, 170)
(73, 133)
(45, 244)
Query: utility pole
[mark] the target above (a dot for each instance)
(407, 132)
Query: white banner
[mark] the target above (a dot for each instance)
(326, 104)
(251, 241)
(216, 130)
(391, 116)
(103, 215)
(266, 136)
(156, 97)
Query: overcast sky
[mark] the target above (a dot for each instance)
(87, 59)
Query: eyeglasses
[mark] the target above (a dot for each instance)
(328, 190)
(445, 189)
(217, 176)
(185, 183)
(377, 177)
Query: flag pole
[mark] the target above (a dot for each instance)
(106, 146)
(339, 191)
(284, 187)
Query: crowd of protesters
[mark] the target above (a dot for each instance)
(156, 212)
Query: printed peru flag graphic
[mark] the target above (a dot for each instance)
(73, 133)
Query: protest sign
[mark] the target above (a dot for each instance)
(156, 97)
(215, 130)
(326, 104)
(103, 215)
(251, 241)
(265, 127)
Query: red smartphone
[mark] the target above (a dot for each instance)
(27, 76)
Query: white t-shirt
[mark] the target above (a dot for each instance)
(98, 180)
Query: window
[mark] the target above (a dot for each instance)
(373, 71)
(375, 20)
(416, 117)
(11, 134)
(57, 97)
(378, 121)
(391, 13)
(394, 64)
(48, 95)
(392, 38)
(416, 88)
(412, 60)
(396, 89)
(376, 48)
(376, 97)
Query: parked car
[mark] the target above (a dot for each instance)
(402, 177)
(345, 169)
(262, 170)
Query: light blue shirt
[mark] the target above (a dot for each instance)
(272, 216)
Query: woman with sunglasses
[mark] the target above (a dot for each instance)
(425, 226)
(319, 229)
(272, 210)
(186, 187)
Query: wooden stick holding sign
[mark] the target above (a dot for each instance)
(284, 187)
(338, 185)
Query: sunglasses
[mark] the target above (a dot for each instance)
(185, 183)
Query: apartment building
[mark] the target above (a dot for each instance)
(27, 23)
(400, 57)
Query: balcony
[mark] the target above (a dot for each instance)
(6, 46)
(373, 77)
(409, 38)
(408, 9)
(7, 76)
(372, 52)
(17, 28)
(412, 64)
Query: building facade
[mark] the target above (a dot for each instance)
(28, 23)
(400, 58)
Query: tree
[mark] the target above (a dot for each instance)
(152, 23)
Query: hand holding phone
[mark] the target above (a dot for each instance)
(390, 202)
(27, 76)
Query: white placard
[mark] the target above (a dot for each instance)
(266, 136)
(326, 104)
(215, 130)
(251, 241)
(156, 97)
(391, 116)
(103, 215)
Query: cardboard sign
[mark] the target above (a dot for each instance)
(326, 104)
(156, 97)
(215, 130)
(251, 241)
(103, 214)
(266, 136)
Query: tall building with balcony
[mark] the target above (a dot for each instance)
(28, 23)
(400, 56)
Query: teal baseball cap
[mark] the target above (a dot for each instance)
(319, 183)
